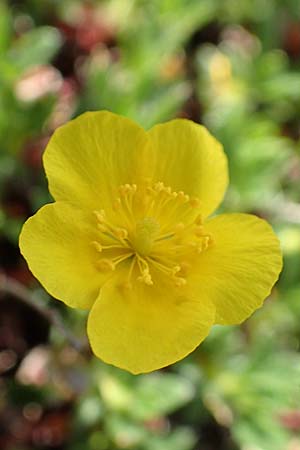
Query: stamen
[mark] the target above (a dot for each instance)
(104, 226)
(198, 247)
(199, 231)
(128, 284)
(195, 202)
(164, 237)
(117, 204)
(184, 268)
(182, 196)
(170, 272)
(119, 259)
(105, 265)
(100, 215)
(162, 196)
(141, 261)
(101, 227)
(146, 278)
(158, 187)
(121, 233)
(97, 246)
(207, 242)
(145, 272)
(127, 193)
(163, 266)
(199, 220)
(180, 281)
(156, 228)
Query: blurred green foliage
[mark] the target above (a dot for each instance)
(232, 65)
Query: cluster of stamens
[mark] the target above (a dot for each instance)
(151, 239)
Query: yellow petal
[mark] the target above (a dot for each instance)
(144, 328)
(56, 243)
(87, 159)
(189, 159)
(239, 270)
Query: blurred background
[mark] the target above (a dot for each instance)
(232, 65)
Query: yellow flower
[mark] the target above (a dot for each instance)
(129, 238)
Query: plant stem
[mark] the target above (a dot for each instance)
(12, 287)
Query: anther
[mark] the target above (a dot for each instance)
(176, 269)
(198, 247)
(126, 285)
(117, 204)
(211, 240)
(100, 215)
(159, 186)
(121, 233)
(97, 246)
(207, 241)
(199, 231)
(179, 281)
(199, 220)
(124, 189)
(184, 268)
(146, 278)
(150, 190)
(204, 244)
(195, 202)
(106, 264)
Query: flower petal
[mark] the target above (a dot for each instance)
(189, 159)
(56, 243)
(239, 270)
(87, 159)
(144, 328)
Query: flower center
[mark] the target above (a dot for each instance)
(151, 231)
(146, 231)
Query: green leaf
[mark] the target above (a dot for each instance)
(5, 26)
(35, 47)
(147, 396)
